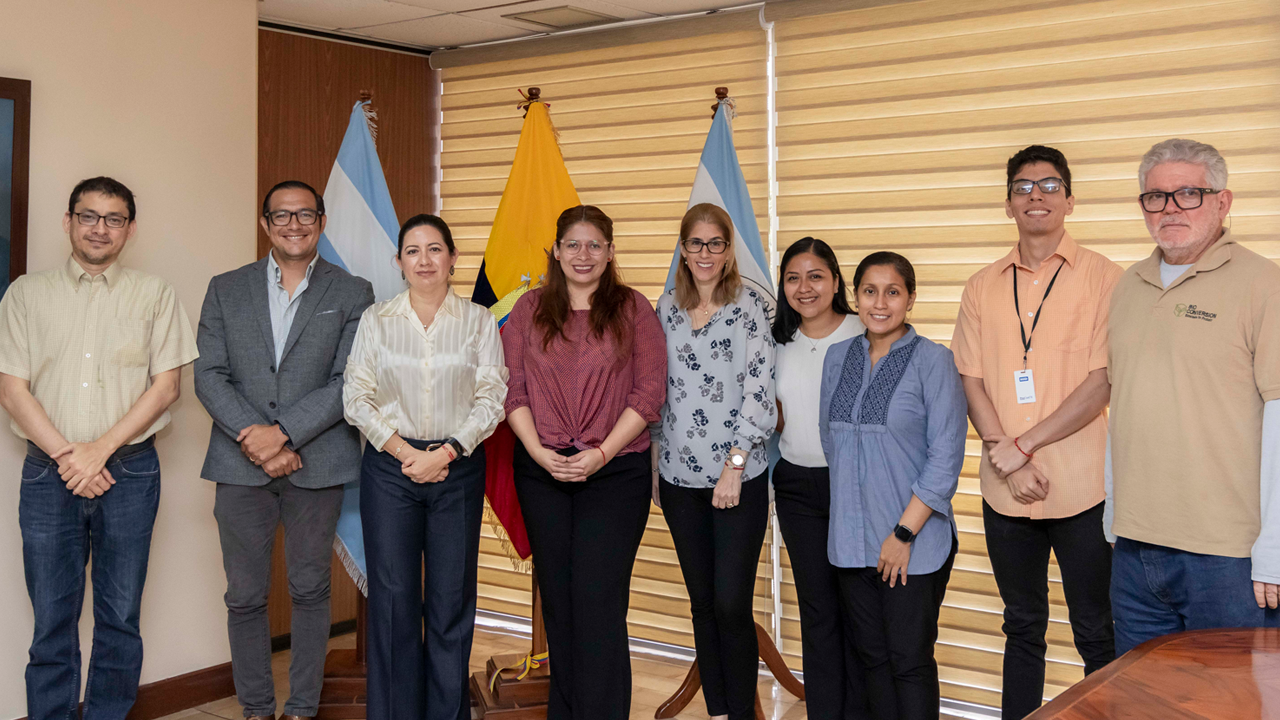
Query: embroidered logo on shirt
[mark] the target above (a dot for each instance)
(1193, 312)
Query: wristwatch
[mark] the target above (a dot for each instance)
(451, 442)
(737, 459)
(903, 533)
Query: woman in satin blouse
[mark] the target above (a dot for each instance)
(425, 382)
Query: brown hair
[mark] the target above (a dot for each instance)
(611, 301)
(730, 281)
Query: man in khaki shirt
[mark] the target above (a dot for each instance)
(91, 355)
(1031, 348)
(1195, 422)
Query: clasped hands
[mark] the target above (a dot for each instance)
(83, 467)
(1026, 482)
(573, 468)
(264, 446)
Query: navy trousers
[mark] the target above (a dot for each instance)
(422, 543)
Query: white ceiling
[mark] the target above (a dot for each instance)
(449, 23)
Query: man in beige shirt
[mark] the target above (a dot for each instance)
(1031, 347)
(91, 355)
(1195, 422)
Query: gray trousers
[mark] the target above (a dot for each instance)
(247, 519)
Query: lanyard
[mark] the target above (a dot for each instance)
(1026, 338)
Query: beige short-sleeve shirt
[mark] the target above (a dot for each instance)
(1191, 366)
(1068, 343)
(89, 346)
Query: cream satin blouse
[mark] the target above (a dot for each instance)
(445, 380)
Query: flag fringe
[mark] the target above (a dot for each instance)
(349, 563)
(517, 563)
(371, 119)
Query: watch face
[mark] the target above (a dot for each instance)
(738, 461)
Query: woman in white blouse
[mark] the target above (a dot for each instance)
(425, 383)
(813, 314)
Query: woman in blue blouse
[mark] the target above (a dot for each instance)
(892, 422)
(711, 466)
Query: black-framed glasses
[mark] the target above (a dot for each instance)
(573, 247)
(89, 218)
(280, 218)
(1048, 186)
(1188, 198)
(693, 246)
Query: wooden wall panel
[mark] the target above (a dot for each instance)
(306, 89)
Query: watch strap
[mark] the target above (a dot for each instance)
(903, 533)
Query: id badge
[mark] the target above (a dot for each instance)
(1024, 387)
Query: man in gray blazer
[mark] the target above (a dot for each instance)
(273, 339)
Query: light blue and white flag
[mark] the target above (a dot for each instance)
(360, 237)
(719, 181)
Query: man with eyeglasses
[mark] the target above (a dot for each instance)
(274, 337)
(1031, 347)
(91, 357)
(1195, 413)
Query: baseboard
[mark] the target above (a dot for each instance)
(168, 696)
(171, 695)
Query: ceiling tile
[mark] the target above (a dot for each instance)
(440, 31)
(495, 14)
(331, 14)
(675, 7)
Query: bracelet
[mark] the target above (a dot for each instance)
(1024, 452)
(396, 455)
(603, 457)
(449, 449)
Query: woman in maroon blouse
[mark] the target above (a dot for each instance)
(588, 368)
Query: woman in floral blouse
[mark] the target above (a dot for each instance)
(711, 466)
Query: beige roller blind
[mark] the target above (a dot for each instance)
(632, 119)
(894, 127)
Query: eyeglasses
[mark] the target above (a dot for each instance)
(90, 218)
(693, 246)
(1184, 198)
(1048, 186)
(573, 247)
(280, 218)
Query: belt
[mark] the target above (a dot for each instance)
(127, 451)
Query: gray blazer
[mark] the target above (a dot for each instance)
(239, 384)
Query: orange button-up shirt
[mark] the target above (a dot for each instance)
(1069, 342)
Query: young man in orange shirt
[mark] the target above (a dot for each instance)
(1031, 347)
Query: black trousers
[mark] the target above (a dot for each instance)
(421, 625)
(894, 630)
(1019, 553)
(833, 689)
(719, 551)
(584, 537)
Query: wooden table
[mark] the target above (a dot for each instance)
(1198, 674)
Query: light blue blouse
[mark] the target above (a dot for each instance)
(719, 391)
(889, 432)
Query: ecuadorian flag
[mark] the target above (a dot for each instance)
(538, 190)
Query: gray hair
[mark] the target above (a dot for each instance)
(1185, 151)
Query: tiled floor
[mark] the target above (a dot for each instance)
(653, 681)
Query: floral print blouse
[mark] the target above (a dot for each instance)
(719, 391)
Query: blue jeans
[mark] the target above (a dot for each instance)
(1158, 590)
(60, 532)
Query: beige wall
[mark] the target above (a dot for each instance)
(160, 94)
